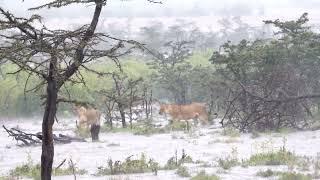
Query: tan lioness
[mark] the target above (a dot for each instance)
(87, 116)
(186, 112)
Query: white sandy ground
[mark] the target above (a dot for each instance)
(200, 145)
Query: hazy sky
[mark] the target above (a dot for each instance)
(204, 12)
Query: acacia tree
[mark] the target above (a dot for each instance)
(271, 83)
(173, 69)
(55, 57)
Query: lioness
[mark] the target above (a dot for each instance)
(186, 112)
(88, 116)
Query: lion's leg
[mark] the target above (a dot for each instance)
(82, 122)
(196, 119)
(204, 119)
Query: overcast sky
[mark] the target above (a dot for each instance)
(204, 12)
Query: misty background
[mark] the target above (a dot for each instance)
(205, 14)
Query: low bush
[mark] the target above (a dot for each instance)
(280, 157)
(231, 132)
(31, 170)
(202, 175)
(174, 162)
(294, 176)
(228, 162)
(183, 171)
(129, 166)
(267, 173)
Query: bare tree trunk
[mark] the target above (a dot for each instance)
(150, 104)
(47, 137)
(130, 106)
(122, 114)
(147, 112)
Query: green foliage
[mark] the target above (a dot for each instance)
(147, 130)
(229, 131)
(200, 58)
(141, 128)
(129, 166)
(280, 157)
(144, 128)
(175, 162)
(14, 103)
(177, 126)
(294, 176)
(172, 69)
(27, 170)
(183, 171)
(6, 178)
(267, 173)
(202, 175)
(13, 100)
(253, 73)
(31, 170)
(228, 162)
(68, 171)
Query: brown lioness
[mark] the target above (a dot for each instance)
(87, 116)
(186, 112)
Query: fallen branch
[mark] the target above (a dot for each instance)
(61, 164)
(29, 139)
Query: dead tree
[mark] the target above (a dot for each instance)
(147, 100)
(109, 111)
(272, 110)
(123, 95)
(55, 57)
(133, 98)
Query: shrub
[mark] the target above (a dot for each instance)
(183, 171)
(177, 126)
(281, 157)
(137, 129)
(32, 170)
(228, 163)
(129, 166)
(202, 175)
(144, 128)
(230, 132)
(26, 170)
(267, 173)
(294, 176)
(174, 162)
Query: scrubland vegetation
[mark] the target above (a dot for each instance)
(253, 84)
